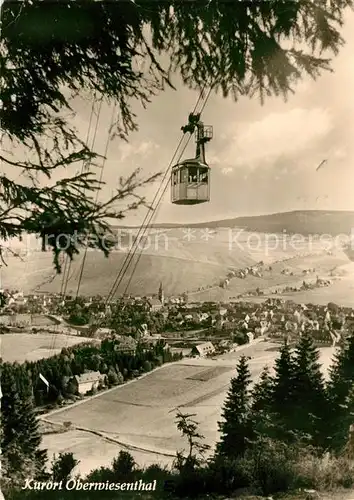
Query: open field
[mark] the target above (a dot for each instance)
(341, 292)
(325, 267)
(179, 272)
(141, 414)
(22, 347)
(186, 261)
(94, 452)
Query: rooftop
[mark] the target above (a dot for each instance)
(88, 377)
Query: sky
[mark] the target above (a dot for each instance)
(263, 158)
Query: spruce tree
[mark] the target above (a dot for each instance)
(342, 437)
(282, 403)
(341, 372)
(339, 390)
(20, 430)
(309, 394)
(63, 466)
(262, 393)
(236, 427)
(262, 399)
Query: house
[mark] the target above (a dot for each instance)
(87, 381)
(250, 336)
(155, 304)
(203, 349)
(149, 341)
(203, 316)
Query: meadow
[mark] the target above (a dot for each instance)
(141, 415)
(324, 266)
(183, 261)
(340, 292)
(22, 347)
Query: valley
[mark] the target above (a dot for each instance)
(196, 258)
(140, 415)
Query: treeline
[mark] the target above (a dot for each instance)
(288, 431)
(74, 361)
(23, 390)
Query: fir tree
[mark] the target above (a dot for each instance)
(341, 372)
(262, 393)
(339, 390)
(20, 430)
(63, 466)
(282, 404)
(236, 427)
(262, 399)
(341, 438)
(308, 392)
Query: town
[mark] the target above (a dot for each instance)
(94, 346)
(189, 329)
(196, 345)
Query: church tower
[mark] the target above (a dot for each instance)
(161, 295)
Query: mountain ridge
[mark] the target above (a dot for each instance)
(305, 222)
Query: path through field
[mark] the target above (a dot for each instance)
(141, 414)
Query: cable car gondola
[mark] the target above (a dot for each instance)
(190, 179)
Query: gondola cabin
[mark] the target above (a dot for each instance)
(190, 179)
(190, 182)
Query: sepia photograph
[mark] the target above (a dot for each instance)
(177, 249)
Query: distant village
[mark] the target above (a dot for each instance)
(194, 329)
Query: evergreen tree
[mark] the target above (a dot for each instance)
(196, 448)
(262, 401)
(236, 427)
(339, 387)
(123, 466)
(282, 404)
(262, 393)
(20, 431)
(308, 392)
(63, 466)
(341, 372)
(341, 437)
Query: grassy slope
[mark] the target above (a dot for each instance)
(183, 262)
(298, 221)
(323, 264)
(180, 264)
(142, 413)
(22, 346)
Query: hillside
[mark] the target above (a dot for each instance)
(194, 258)
(181, 265)
(304, 222)
(296, 222)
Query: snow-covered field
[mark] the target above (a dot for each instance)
(22, 347)
(141, 414)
